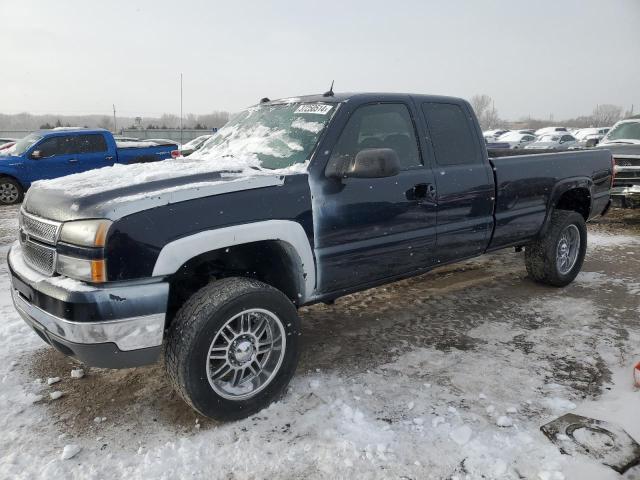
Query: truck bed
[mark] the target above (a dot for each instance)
(528, 184)
(143, 152)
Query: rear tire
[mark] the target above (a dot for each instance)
(233, 348)
(556, 258)
(11, 192)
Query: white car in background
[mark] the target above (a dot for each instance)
(547, 130)
(590, 137)
(493, 135)
(517, 140)
(554, 141)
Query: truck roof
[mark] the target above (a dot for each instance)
(362, 96)
(66, 130)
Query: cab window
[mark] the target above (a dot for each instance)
(92, 143)
(54, 146)
(385, 125)
(453, 139)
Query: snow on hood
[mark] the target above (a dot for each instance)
(119, 176)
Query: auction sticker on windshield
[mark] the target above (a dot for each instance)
(317, 108)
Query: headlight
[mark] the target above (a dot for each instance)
(86, 233)
(82, 269)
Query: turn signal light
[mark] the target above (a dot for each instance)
(98, 271)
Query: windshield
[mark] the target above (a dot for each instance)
(276, 136)
(549, 138)
(624, 131)
(25, 143)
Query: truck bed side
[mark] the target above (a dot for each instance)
(145, 154)
(529, 187)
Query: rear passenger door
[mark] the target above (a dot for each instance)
(464, 181)
(92, 152)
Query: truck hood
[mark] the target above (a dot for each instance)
(114, 192)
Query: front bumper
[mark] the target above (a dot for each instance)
(113, 327)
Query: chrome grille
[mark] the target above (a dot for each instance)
(39, 257)
(627, 162)
(39, 228)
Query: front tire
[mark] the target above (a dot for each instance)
(556, 258)
(11, 192)
(233, 348)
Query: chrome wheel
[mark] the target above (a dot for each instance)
(8, 193)
(568, 249)
(246, 354)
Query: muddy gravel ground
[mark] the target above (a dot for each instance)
(485, 312)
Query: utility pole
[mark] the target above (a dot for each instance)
(115, 130)
(180, 108)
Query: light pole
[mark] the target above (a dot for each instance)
(181, 110)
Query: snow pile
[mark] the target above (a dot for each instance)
(70, 451)
(605, 240)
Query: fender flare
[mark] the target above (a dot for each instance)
(560, 189)
(176, 253)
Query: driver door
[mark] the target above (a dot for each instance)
(368, 229)
(51, 158)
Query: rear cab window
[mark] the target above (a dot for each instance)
(91, 143)
(452, 136)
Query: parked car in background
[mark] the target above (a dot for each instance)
(57, 153)
(545, 130)
(159, 141)
(6, 145)
(623, 141)
(190, 147)
(590, 137)
(209, 268)
(493, 135)
(553, 141)
(4, 140)
(517, 140)
(523, 131)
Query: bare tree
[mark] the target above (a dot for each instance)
(606, 115)
(485, 111)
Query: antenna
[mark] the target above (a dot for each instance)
(330, 92)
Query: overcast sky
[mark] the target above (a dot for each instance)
(535, 57)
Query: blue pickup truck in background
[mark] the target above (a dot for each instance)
(57, 153)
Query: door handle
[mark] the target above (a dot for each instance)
(431, 191)
(108, 158)
(73, 160)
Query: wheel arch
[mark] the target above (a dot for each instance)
(573, 194)
(276, 252)
(18, 181)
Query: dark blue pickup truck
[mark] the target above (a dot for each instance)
(293, 202)
(65, 151)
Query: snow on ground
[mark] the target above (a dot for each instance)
(454, 384)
